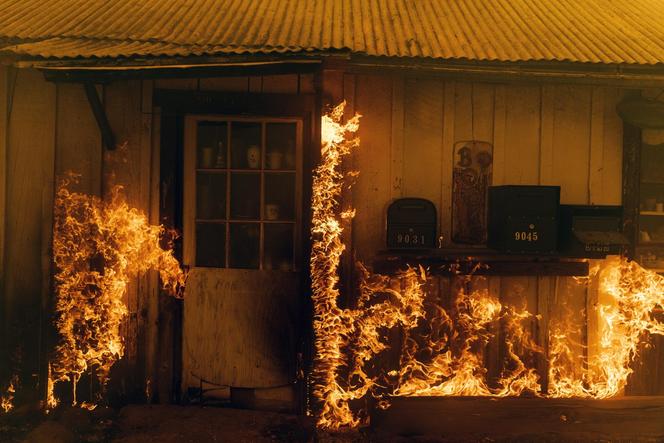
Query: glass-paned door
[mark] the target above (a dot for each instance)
(242, 199)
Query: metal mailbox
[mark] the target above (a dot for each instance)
(591, 231)
(524, 219)
(411, 224)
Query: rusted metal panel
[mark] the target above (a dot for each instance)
(590, 31)
(470, 182)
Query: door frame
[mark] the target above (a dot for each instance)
(173, 106)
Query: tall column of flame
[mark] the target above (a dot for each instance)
(346, 339)
(331, 324)
(97, 247)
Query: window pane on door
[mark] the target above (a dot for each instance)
(245, 145)
(211, 145)
(244, 245)
(243, 210)
(280, 146)
(279, 196)
(245, 195)
(211, 245)
(210, 196)
(278, 249)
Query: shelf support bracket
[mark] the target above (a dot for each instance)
(107, 136)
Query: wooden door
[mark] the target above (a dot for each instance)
(242, 242)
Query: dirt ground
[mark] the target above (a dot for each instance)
(193, 424)
(161, 423)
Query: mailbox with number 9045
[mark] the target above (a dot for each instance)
(524, 219)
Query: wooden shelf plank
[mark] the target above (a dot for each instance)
(653, 213)
(478, 418)
(479, 262)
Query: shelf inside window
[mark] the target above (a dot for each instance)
(244, 205)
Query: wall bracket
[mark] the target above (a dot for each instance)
(107, 136)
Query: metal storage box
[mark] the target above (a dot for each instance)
(591, 231)
(524, 219)
(411, 224)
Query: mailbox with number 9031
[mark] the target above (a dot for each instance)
(411, 224)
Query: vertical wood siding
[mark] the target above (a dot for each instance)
(29, 203)
(4, 314)
(542, 134)
(560, 135)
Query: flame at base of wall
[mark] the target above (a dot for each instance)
(7, 400)
(98, 246)
(400, 339)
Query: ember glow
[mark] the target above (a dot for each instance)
(98, 246)
(399, 339)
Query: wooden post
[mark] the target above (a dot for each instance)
(4, 125)
(631, 165)
(168, 314)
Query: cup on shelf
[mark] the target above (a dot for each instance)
(644, 236)
(208, 157)
(659, 207)
(274, 160)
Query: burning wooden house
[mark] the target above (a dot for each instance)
(457, 249)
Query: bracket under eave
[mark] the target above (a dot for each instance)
(99, 112)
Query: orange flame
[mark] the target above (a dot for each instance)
(630, 296)
(98, 246)
(454, 346)
(347, 340)
(338, 380)
(7, 400)
(442, 351)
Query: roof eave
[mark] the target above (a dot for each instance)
(625, 75)
(73, 69)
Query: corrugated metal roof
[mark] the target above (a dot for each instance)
(594, 31)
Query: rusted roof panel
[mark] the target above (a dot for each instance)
(593, 31)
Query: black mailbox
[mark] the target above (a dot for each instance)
(523, 219)
(411, 224)
(591, 231)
